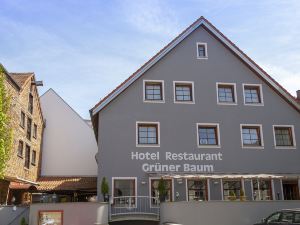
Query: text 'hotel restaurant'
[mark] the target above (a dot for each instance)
(206, 118)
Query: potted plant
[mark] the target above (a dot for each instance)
(242, 195)
(105, 189)
(162, 190)
(23, 221)
(232, 196)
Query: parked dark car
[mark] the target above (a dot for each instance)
(285, 216)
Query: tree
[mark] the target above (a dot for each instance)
(104, 189)
(162, 190)
(6, 137)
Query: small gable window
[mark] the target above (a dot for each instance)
(201, 50)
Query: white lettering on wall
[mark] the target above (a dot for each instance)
(184, 156)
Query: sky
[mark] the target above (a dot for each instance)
(84, 49)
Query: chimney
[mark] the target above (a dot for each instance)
(298, 95)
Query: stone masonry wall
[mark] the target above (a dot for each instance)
(15, 167)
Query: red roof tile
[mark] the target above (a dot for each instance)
(66, 183)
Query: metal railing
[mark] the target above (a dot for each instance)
(141, 206)
(19, 216)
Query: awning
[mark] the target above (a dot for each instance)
(21, 186)
(67, 183)
(226, 176)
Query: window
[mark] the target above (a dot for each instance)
(197, 190)
(273, 218)
(253, 94)
(262, 189)
(29, 124)
(226, 93)
(284, 136)
(155, 193)
(147, 134)
(251, 136)
(286, 217)
(208, 135)
(34, 131)
(124, 191)
(201, 50)
(290, 189)
(183, 92)
(20, 149)
(30, 103)
(153, 91)
(22, 122)
(33, 157)
(231, 189)
(297, 218)
(27, 157)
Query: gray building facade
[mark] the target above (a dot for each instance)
(202, 115)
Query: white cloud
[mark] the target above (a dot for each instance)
(289, 80)
(150, 16)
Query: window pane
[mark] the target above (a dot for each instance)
(153, 91)
(230, 188)
(251, 136)
(283, 136)
(207, 135)
(226, 93)
(286, 217)
(273, 218)
(155, 192)
(197, 190)
(201, 51)
(252, 95)
(147, 134)
(262, 189)
(183, 92)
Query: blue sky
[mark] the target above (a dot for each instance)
(84, 49)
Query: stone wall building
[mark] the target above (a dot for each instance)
(23, 166)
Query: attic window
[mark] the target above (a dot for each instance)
(201, 50)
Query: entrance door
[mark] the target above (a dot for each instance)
(124, 192)
(290, 189)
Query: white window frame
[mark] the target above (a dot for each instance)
(124, 178)
(162, 91)
(293, 136)
(193, 92)
(187, 189)
(158, 178)
(217, 125)
(262, 146)
(260, 92)
(231, 179)
(206, 52)
(137, 134)
(272, 188)
(235, 94)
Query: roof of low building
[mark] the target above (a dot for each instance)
(21, 78)
(66, 183)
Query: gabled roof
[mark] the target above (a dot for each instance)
(21, 78)
(218, 35)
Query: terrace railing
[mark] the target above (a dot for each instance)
(134, 207)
